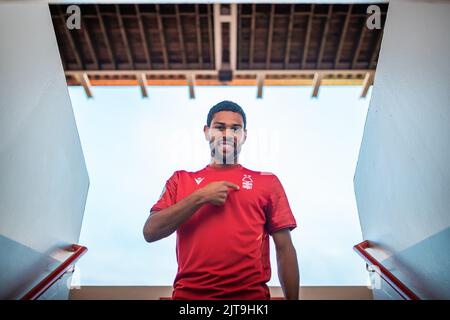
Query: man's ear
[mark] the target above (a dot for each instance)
(206, 132)
(245, 136)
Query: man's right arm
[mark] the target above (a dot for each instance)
(163, 223)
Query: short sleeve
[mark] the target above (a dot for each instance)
(279, 214)
(168, 195)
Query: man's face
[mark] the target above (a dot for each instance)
(226, 135)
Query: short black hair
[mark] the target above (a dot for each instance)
(226, 106)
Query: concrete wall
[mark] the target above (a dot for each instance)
(44, 181)
(402, 179)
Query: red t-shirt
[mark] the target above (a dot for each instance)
(223, 251)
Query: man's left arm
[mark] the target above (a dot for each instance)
(288, 273)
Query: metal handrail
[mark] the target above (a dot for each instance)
(55, 275)
(384, 273)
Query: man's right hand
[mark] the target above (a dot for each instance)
(163, 223)
(216, 192)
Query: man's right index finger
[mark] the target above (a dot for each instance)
(231, 185)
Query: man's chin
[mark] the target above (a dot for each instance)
(228, 159)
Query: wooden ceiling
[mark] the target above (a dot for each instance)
(194, 44)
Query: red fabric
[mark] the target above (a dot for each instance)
(223, 251)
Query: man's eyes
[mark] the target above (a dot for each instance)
(223, 128)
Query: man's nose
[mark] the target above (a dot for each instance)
(229, 133)
(229, 136)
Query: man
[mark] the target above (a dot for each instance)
(223, 215)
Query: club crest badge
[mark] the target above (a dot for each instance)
(247, 182)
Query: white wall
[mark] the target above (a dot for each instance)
(44, 181)
(402, 180)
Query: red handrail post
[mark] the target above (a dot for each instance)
(384, 273)
(47, 282)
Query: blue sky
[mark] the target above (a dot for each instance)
(132, 146)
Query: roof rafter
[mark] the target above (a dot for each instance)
(269, 36)
(143, 36)
(308, 36)
(162, 37)
(105, 36)
(359, 44)
(342, 36)
(71, 41)
(287, 50)
(180, 34)
(324, 36)
(124, 35)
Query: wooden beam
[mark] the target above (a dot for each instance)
(260, 83)
(358, 46)
(148, 58)
(324, 36)
(191, 83)
(71, 40)
(210, 35)
(316, 84)
(252, 36)
(199, 35)
(287, 50)
(342, 36)
(308, 36)
(368, 80)
(142, 80)
(233, 36)
(124, 36)
(105, 35)
(162, 37)
(217, 36)
(270, 36)
(180, 35)
(214, 82)
(84, 80)
(247, 77)
(89, 43)
(239, 36)
(210, 72)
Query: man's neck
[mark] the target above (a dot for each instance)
(215, 164)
